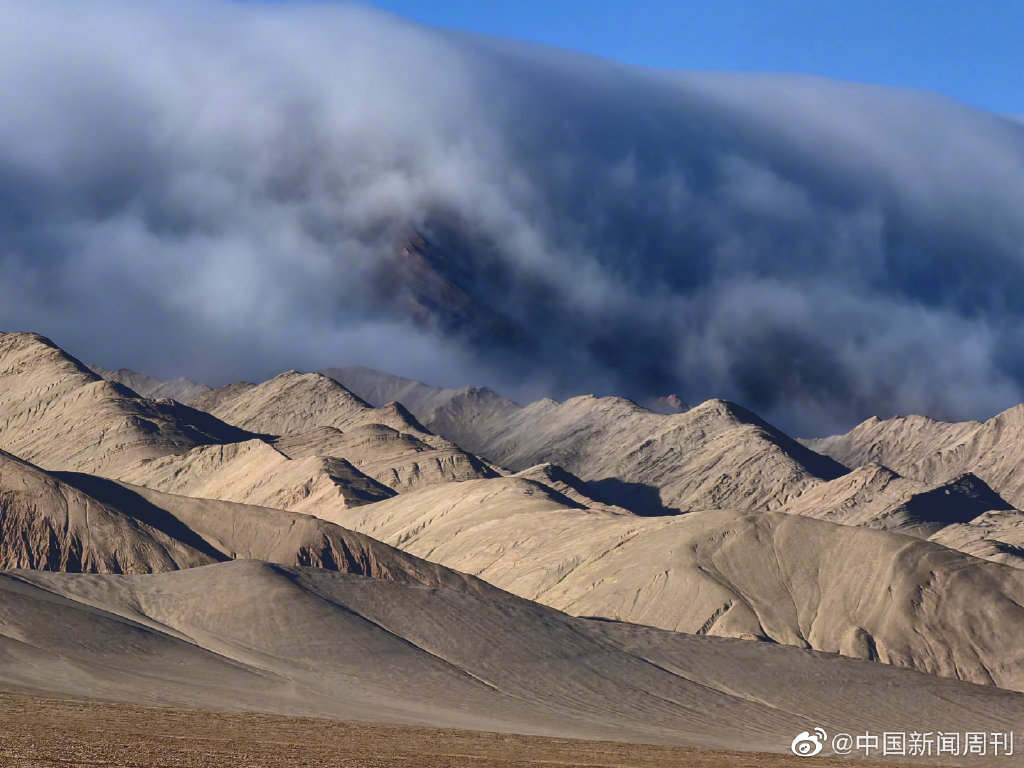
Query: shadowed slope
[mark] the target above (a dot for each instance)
(877, 497)
(716, 455)
(82, 523)
(50, 524)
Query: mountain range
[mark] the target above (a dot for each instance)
(306, 545)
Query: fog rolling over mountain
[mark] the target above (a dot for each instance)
(265, 186)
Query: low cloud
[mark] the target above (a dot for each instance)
(218, 190)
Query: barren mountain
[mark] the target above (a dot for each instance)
(181, 389)
(254, 472)
(877, 497)
(49, 524)
(749, 561)
(935, 451)
(295, 402)
(717, 455)
(454, 413)
(306, 641)
(771, 576)
(330, 441)
(215, 397)
(82, 523)
(393, 458)
(58, 414)
(995, 536)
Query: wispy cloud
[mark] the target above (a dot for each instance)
(213, 189)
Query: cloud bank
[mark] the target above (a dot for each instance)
(218, 190)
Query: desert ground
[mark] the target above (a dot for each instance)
(42, 733)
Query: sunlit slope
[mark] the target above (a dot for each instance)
(772, 576)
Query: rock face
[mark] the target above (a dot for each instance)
(58, 414)
(306, 641)
(180, 389)
(51, 525)
(936, 452)
(770, 576)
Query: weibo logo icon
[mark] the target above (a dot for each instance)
(809, 744)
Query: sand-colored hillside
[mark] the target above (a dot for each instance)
(251, 604)
(936, 451)
(995, 536)
(877, 497)
(307, 641)
(58, 414)
(296, 402)
(181, 389)
(254, 472)
(312, 416)
(399, 460)
(784, 577)
(717, 455)
(49, 524)
(458, 414)
(312, 472)
(87, 524)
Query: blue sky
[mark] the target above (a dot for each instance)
(972, 50)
